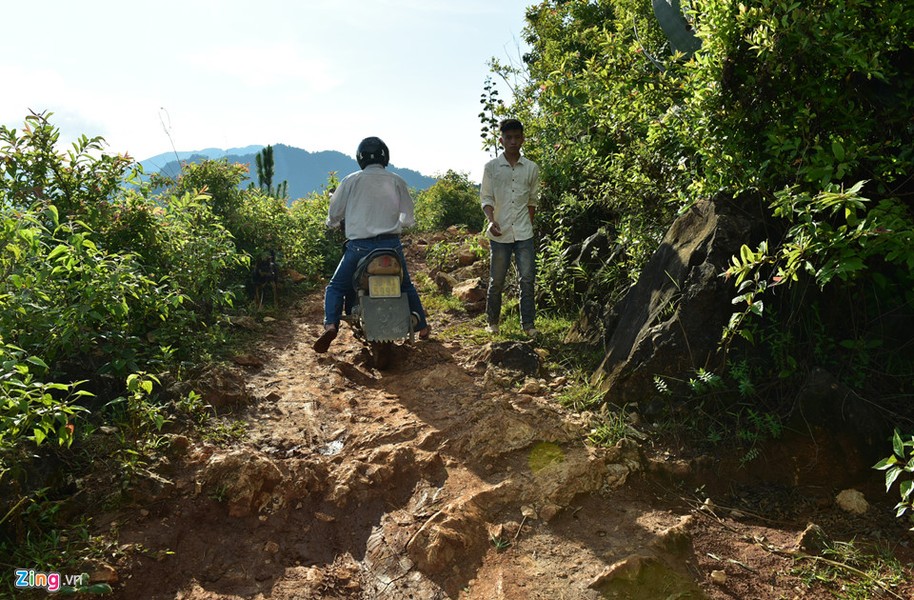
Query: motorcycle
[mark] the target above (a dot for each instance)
(380, 313)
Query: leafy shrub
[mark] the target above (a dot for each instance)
(258, 222)
(901, 462)
(104, 284)
(199, 252)
(218, 179)
(64, 298)
(314, 250)
(452, 200)
(79, 183)
(32, 411)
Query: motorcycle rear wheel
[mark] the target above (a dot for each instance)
(381, 353)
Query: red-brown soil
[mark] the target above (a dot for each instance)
(436, 480)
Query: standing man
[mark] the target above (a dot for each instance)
(375, 206)
(510, 195)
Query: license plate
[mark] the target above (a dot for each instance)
(384, 286)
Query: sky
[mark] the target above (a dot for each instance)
(154, 77)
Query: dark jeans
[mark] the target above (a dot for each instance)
(525, 259)
(340, 286)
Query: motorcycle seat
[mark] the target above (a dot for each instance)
(382, 261)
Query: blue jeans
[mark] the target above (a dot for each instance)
(340, 289)
(525, 259)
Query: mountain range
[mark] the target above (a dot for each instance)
(305, 171)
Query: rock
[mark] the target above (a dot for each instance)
(719, 577)
(178, 445)
(577, 473)
(670, 320)
(852, 501)
(516, 356)
(247, 360)
(844, 432)
(549, 511)
(445, 282)
(453, 538)
(531, 388)
(497, 531)
(678, 537)
(813, 540)
(223, 388)
(466, 257)
(628, 569)
(103, 573)
(443, 377)
(470, 291)
(245, 479)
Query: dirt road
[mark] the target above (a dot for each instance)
(440, 478)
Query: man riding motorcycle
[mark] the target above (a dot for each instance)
(375, 206)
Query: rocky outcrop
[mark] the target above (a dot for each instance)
(670, 321)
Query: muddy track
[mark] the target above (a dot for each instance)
(429, 480)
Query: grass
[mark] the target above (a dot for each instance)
(501, 544)
(852, 572)
(581, 396)
(224, 433)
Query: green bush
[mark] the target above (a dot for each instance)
(66, 299)
(452, 200)
(104, 284)
(901, 462)
(32, 411)
(258, 222)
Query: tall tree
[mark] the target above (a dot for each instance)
(265, 170)
(264, 160)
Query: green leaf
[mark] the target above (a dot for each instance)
(838, 150)
(906, 487)
(897, 444)
(56, 252)
(891, 476)
(885, 463)
(39, 436)
(34, 360)
(745, 252)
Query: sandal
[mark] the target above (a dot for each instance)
(323, 342)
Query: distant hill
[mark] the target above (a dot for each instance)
(305, 171)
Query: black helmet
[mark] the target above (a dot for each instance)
(372, 150)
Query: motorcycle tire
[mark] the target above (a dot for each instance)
(381, 353)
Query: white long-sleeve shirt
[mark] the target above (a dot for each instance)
(510, 191)
(372, 202)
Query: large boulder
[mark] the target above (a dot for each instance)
(670, 321)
